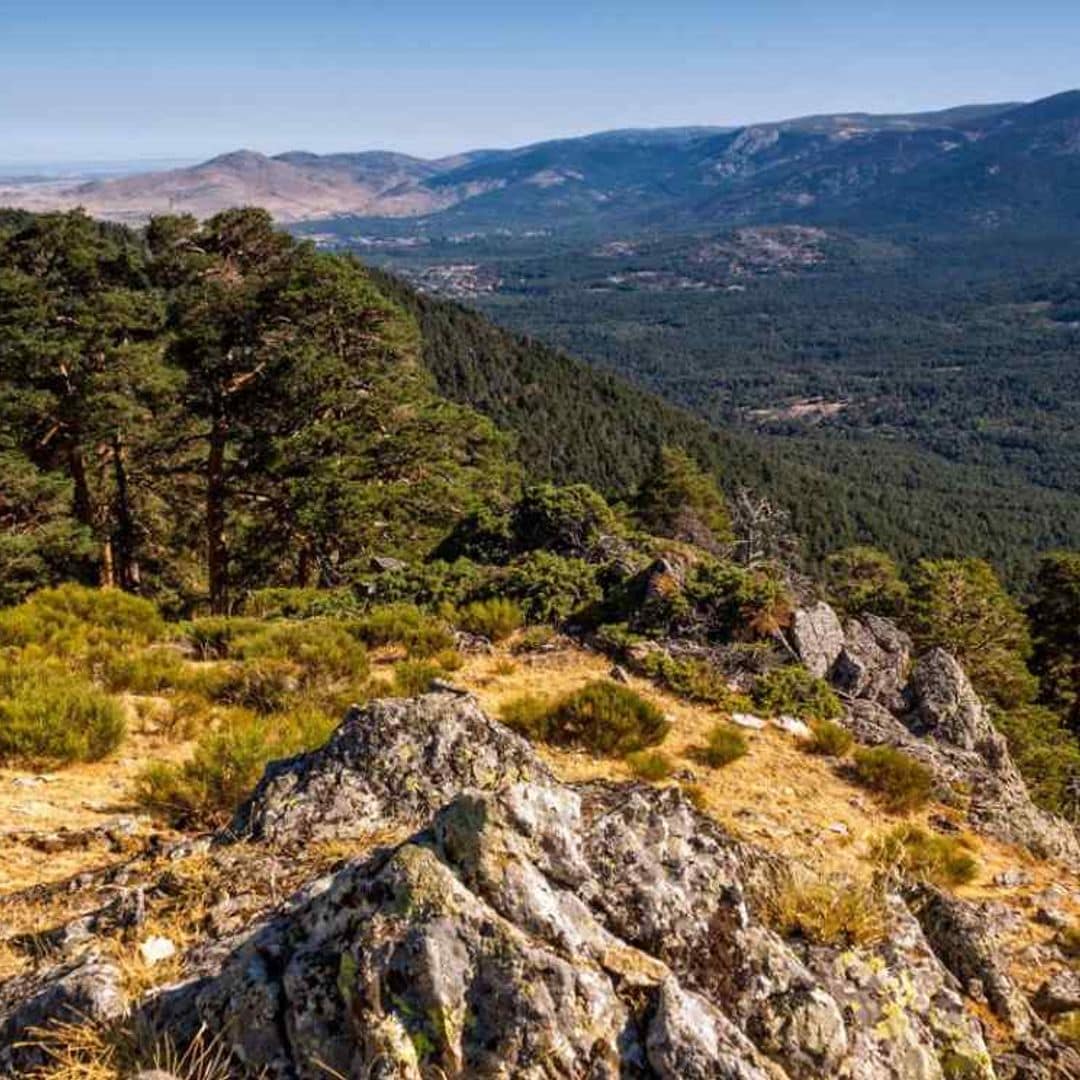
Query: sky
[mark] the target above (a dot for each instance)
(121, 80)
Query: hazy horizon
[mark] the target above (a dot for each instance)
(105, 166)
(120, 81)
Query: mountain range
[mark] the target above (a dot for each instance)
(975, 164)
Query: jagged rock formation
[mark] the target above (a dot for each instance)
(393, 763)
(533, 928)
(929, 709)
(538, 929)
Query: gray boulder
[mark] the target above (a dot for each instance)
(874, 661)
(88, 989)
(945, 706)
(818, 638)
(391, 764)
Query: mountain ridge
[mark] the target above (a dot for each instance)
(799, 166)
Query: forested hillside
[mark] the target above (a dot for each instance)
(578, 423)
(194, 409)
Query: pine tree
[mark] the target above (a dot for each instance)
(1055, 624)
(679, 500)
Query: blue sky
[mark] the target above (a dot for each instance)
(94, 80)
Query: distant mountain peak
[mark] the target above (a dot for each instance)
(812, 168)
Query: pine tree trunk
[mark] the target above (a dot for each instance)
(84, 509)
(216, 554)
(126, 569)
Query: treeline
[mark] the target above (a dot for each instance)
(193, 408)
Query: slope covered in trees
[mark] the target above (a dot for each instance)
(575, 423)
(194, 410)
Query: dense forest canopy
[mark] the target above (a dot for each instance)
(207, 405)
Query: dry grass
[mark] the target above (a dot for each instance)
(799, 805)
(110, 1051)
(840, 913)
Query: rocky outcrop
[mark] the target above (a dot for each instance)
(390, 764)
(929, 709)
(874, 662)
(513, 925)
(818, 638)
(946, 707)
(965, 937)
(533, 929)
(944, 725)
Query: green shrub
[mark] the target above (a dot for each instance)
(551, 588)
(295, 603)
(602, 717)
(324, 651)
(534, 638)
(227, 763)
(860, 579)
(926, 856)
(449, 660)
(794, 690)
(839, 914)
(718, 602)
(829, 739)
(430, 584)
(48, 714)
(71, 618)
(263, 685)
(569, 521)
(495, 619)
(725, 744)
(527, 715)
(695, 680)
(902, 783)
(137, 671)
(215, 636)
(404, 624)
(413, 677)
(650, 764)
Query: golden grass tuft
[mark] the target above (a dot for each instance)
(837, 913)
(88, 1050)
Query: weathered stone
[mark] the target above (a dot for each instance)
(88, 989)
(689, 1039)
(394, 762)
(963, 935)
(945, 705)
(818, 638)
(1058, 994)
(873, 662)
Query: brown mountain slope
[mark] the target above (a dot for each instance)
(295, 188)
